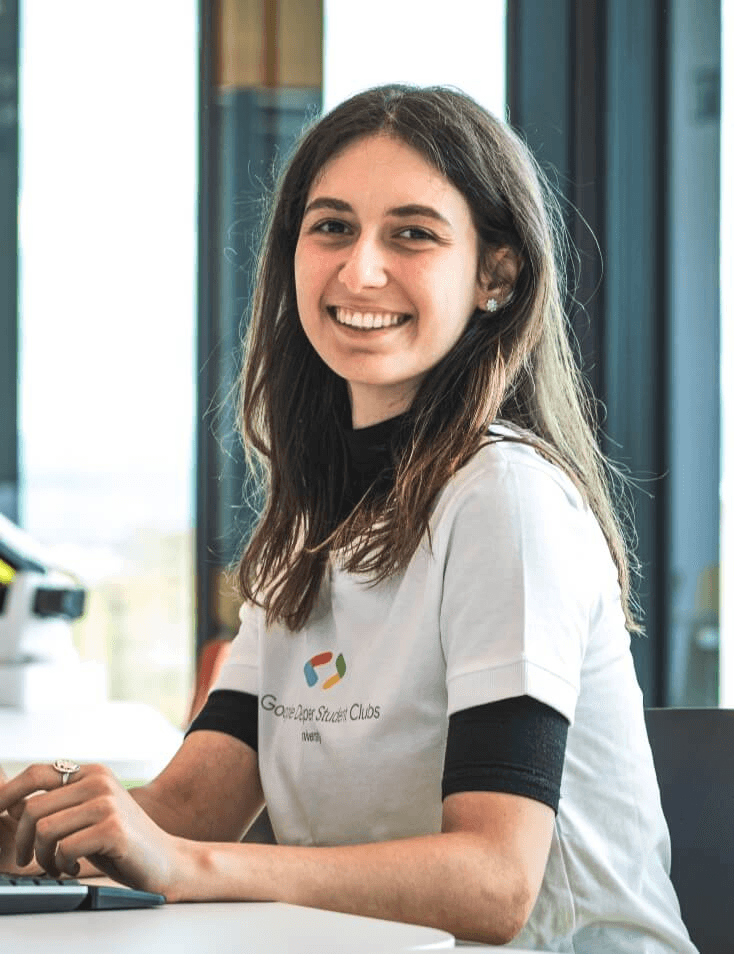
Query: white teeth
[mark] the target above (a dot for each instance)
(368, 319)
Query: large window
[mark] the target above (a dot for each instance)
(427, 42)
(108, 116)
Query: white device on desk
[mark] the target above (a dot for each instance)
(39, 666)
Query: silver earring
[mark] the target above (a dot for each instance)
(491, 305)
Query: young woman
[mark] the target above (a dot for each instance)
(432, 687)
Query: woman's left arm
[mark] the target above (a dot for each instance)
(478, 879)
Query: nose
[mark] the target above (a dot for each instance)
(365, 266)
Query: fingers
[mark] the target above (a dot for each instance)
(101, 840)
(38, 811)
(34, 779)
(16, 810)
(56, 811)
(13, 793)
(61, 839)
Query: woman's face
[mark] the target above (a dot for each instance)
(386, 272)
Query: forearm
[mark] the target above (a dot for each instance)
(210, 791)
(171, 818)
(450, 881)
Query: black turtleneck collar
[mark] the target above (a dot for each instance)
(366, 444)
(370, 455)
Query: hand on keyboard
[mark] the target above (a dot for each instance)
(92, 816)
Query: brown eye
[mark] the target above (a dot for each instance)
(415, 234)
(331, 227)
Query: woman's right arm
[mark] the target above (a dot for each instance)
(210, 791)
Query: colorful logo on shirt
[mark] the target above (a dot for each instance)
(321, 659)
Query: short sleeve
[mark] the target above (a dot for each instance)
(240, 672)
(516, 596)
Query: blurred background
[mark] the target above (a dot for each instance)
(137, 142)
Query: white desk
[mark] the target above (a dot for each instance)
(132, 738)
(234, 928)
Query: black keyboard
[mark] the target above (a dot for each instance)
(24, 895)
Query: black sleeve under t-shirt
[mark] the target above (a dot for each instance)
(232, 712)
(514, 745)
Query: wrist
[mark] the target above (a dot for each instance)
(181, 881)
(193, 872)
(214, 871)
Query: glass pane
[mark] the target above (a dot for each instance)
(462, 44)
(108, 168)
(727, 355)
(694, 352)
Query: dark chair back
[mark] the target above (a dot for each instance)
(693, 750)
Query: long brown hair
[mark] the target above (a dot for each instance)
(516, 365)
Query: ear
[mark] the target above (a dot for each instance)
(498, 275)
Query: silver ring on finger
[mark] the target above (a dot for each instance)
(65, 768)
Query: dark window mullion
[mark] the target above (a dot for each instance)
(9, 158)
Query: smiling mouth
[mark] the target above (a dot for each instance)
(367, 321)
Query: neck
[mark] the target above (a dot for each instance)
(375, 405)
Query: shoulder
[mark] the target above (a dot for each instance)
(510, 473)
(521, 559)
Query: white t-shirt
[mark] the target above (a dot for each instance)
(518, 595)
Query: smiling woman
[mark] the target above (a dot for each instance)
(431, 688)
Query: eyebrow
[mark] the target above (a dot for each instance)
(401, 211)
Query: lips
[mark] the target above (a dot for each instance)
(367, 320)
